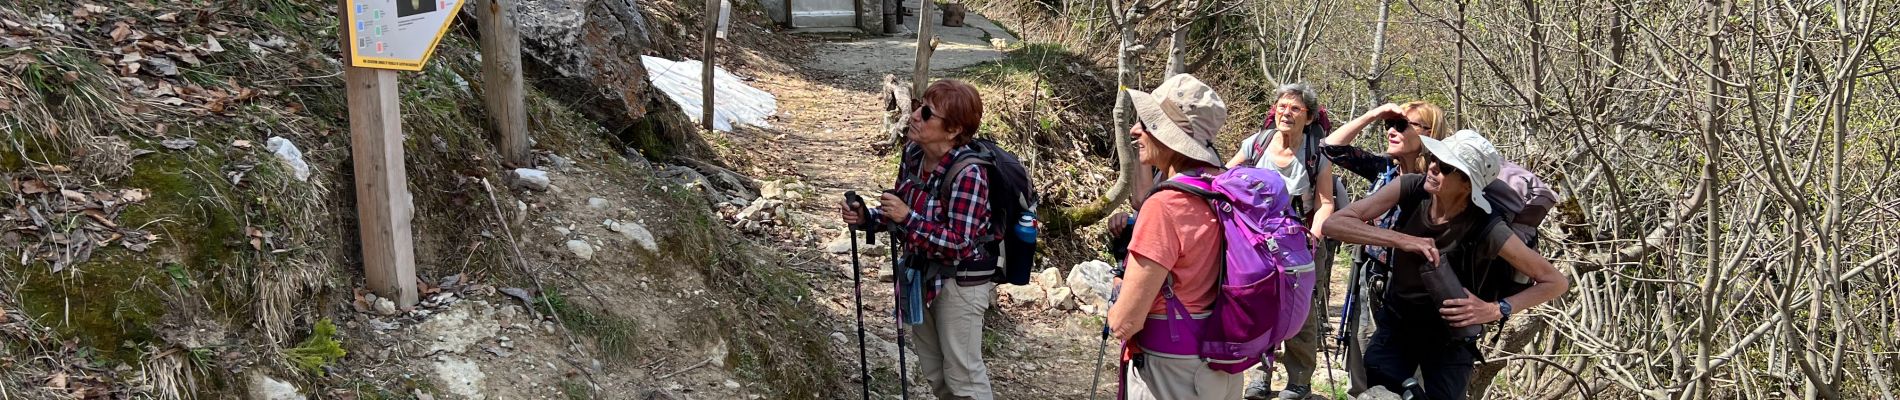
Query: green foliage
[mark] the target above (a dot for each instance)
(617, 337)
(318, 350)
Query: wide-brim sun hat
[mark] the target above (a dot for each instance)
(1183, 114)
(1472, 154)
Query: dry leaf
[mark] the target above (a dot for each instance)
(71, 76)
(120, 32)
(31, 186)
(172, 101)
(132, 195)
(57, 381)
(6, 105)
(188, 58)
(100, 216)
(58, 169)
(169, 17)
(212, 45)
(180, 143)
(73, 195)
(241, 143)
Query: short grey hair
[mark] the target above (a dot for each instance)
(1304, 92)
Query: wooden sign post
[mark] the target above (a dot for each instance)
(381, 37)
(501, 81)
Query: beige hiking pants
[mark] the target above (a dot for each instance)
(1182, 379)
(949, 344)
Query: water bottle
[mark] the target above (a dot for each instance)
(1026, 228)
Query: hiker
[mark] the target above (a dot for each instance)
(1403, 124)
(1447, 224)
(1174, 133)
(1290, 145)
(943, 240)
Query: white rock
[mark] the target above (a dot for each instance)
(264, 387)
(462, 378)
(635, 232)
(530, 179)
(772, 189)
(598, 203)
(839, 338)
(1062, 299)
(1023, 295)
(885, 275)
(460, 328)
(1049, 279)
(288, 152)
(842, 245)
(730, 384)
(559, 163)
(1378, 393)
(794, 196)
(1090, 280)
(385, 307)
(581, 249)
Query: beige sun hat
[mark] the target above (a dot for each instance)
(1183, 114)
(1469, 152)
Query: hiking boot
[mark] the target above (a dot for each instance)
(1257, 390)
(1296, 392)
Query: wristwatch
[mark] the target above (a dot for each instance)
(1504, 310)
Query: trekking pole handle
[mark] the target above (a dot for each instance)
(855, 202)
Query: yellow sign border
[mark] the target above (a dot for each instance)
(360, 61)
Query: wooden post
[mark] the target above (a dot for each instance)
(788, 15)
(706, 78)
(501, 81)
(383, 206)
(919, 77)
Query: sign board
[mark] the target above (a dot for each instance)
(396, 34)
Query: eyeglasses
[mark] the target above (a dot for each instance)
(1401, 124)
(1443, 168)
(918, 104)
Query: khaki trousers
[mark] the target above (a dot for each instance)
(949, 344)
(1182, 379)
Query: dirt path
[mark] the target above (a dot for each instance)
(826, 137)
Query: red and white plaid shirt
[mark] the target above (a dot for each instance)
(951, 233)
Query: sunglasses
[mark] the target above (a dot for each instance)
(1401, 124)
(1443, 168)
(918, 104)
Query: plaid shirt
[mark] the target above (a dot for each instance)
(1376, 168)
(953, 232)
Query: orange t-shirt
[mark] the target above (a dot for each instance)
(1178, 231)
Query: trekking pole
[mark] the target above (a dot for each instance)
(857, 288)
(897, 283)
(1101, 351)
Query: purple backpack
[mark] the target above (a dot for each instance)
(1266, 281)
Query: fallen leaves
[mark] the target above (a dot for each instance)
(63, 225)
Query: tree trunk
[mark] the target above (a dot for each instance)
(1374, 71)
(1126, 165)
(1177, 53)
(920, 75)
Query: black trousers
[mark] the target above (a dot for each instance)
(1403, 345)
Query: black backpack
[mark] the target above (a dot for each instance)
(1011, 197)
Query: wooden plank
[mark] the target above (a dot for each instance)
(501, 81)
(383, 205)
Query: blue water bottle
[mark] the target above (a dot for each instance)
(1026, 227)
